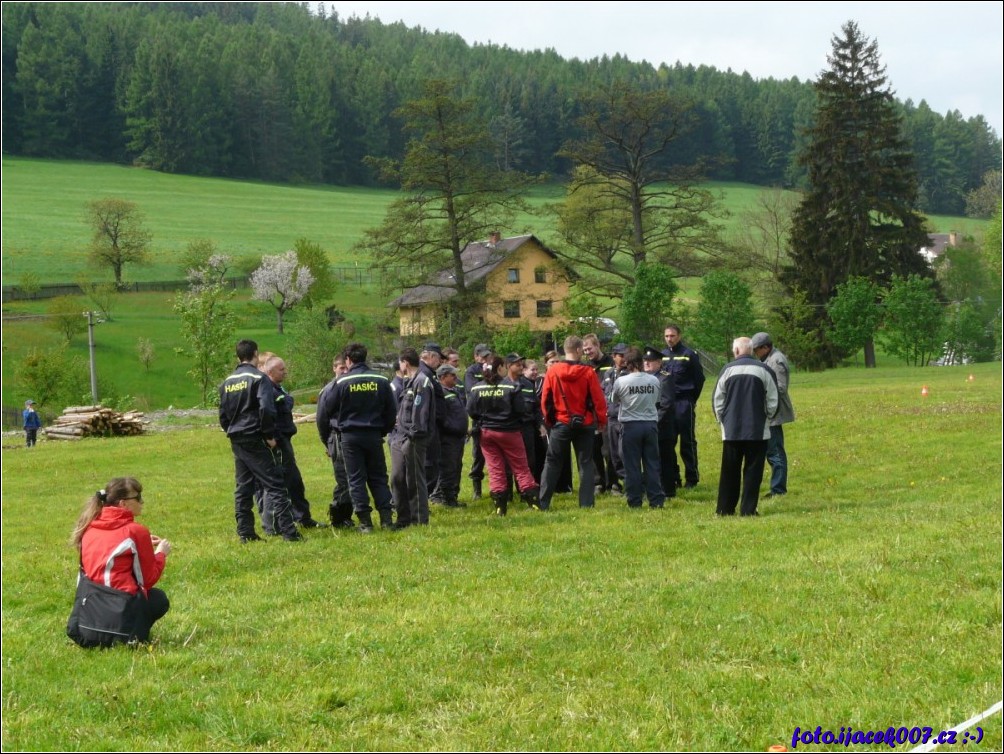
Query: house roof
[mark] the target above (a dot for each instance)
(479, 258)
(937, 243)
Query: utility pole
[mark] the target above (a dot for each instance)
(90, 348)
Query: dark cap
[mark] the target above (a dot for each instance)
(512, 358)
(482, 349)
(446, 369)
(651, 354)
(620, 348)
(433, 348)
(760, 339)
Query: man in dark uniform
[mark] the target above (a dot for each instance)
(340, 507)
(362, 408)
(247, 415)
(453, 437)
(409, 442)
(612, 438)
(668, 468)
(430, 359)
(285, 428)
(475, 375)
(602, 363)
(688, 376)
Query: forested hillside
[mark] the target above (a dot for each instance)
(271, 91)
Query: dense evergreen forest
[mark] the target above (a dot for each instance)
(275, 92)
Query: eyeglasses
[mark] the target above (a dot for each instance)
(137, 498)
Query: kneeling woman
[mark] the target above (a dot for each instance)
(119, 553)
(497, 409)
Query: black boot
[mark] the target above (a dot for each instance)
(365, 523)
(501, 501)
(387, 519)
(531, 498)
(476, 486)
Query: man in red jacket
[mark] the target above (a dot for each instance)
(574, 409)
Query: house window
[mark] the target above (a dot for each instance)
(510, 309)
(512, 276)
(540, 275)
(543, 308)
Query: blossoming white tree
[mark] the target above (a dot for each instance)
(282, 281)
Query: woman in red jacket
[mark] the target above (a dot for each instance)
(118, 552)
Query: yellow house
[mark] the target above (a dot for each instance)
(520, 279)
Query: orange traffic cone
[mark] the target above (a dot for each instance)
(923, 391)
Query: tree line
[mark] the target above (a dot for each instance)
(273, 91)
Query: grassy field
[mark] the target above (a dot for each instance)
(45, 232)
(45, 235)
(869, 597)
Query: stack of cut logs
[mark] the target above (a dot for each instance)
(88, 421)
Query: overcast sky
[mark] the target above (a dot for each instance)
(950, 54)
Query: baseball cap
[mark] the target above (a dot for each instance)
(620, 348)
(482, 349)
(651, 354)
(446, 369)
(433, 348)
(512, 358)
(29, 402)
(760, 339)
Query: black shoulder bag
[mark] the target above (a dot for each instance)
(103, 616)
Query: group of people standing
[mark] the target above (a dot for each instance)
(620, 416)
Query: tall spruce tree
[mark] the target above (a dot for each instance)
(857, 217)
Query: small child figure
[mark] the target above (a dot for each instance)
(31, 423)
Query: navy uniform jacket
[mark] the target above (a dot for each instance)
(499, 406)
(455, 421)
(416, 408)
(284, 424)
(247, 404)
(607, 386)
(358, 400)
(685, 366)
(474, 375)
(534, 416)
(667, 398)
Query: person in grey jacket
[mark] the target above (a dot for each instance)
(764, 350)
(636, 397)
(416, 423)
(745, 400)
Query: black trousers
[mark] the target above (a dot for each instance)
(451, 462)
(432, 462)
(686, 432)
(612, 447)
(30, 436)
(255, 462)
(407, 479)
(742, 473)
(340, 508)
(669, 471)
(294, 480)
(562, 436)
(477, 472)
(157, 604)
(366, 466)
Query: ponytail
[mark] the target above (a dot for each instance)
(118, 489)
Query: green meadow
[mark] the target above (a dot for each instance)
(869, 596)
(46, 237)
(45, 232)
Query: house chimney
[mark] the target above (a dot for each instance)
(493, 239)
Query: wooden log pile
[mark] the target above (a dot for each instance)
(77, 422)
